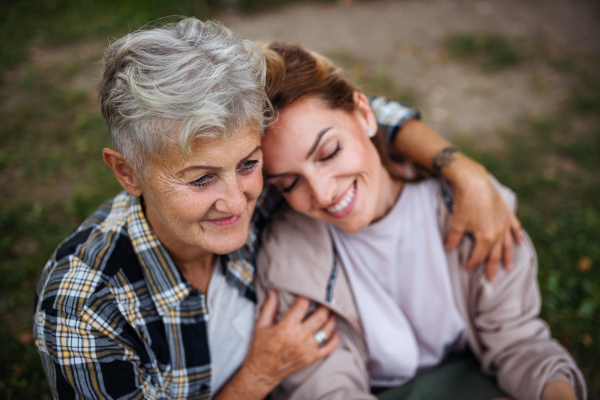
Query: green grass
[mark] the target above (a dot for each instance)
(25, 25)
(375, 83)
(552, 165)
(493, 52)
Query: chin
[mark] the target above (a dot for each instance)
(228, 243)
(354, 224)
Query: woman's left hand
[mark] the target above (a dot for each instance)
(480, 210)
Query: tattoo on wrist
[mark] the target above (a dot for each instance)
(443, 159)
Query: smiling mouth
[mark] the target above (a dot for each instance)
(344, 206)
(225, 221)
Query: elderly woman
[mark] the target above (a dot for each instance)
(366, 240)
(153, 295)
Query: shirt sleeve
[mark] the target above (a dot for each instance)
(91, 354)
(82, 362)
(391, 116)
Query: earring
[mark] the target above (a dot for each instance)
(371, 132)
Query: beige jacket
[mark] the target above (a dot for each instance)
(504, 330)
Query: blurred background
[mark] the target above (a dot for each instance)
(514, 83)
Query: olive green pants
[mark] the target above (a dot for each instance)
(457, 377)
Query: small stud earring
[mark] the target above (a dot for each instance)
(371, 132)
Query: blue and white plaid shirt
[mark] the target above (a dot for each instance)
(115, 319)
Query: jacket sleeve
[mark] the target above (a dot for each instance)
(340, 376)
(514, 343)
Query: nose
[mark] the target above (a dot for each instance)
(233, 199)
(322, 189)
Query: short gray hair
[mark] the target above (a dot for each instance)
(190, 77)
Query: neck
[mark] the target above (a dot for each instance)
(389, 191)
(196, 264)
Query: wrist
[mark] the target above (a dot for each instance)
(465, 172)
(252, 375)
(246, 385)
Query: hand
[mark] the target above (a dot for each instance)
(278, 350)
(479, 209)
(558, 390)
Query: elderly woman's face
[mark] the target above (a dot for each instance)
(325, 164)
(206, 202)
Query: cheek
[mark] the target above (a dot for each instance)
(253, 184)
(363, 158)
(299, 199)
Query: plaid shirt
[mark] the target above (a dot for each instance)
(116, 319)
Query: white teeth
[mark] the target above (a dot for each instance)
(345, 201)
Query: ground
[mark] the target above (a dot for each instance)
(405, 41)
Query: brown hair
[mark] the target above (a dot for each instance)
(294, 72)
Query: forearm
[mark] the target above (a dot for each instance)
(426, 148)
(245, 385)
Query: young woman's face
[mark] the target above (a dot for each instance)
(325, 165)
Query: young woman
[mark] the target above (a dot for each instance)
(366, 240)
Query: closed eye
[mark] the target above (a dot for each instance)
(290, 187)
(333, 154)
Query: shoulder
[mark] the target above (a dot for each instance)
(288, 224)
(88, 262)
(291, 234)
(294, 244)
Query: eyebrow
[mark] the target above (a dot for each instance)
(211, 168)
(311, 151)
(316, 143)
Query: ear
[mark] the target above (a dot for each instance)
(364, 112)
(123, 171)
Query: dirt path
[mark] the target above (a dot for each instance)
(403, 39)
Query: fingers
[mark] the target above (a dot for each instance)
(491, 267)
(479, 253)
(317, 320)
(457, 231)
(329, 326)
(297, 311)
(507, 250)
(516, 228)
(328, 347)
(267, 315)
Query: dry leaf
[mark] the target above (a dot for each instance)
(584, 264)
(586, 340)
(25, 338)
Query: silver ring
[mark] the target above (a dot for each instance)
(321, 338)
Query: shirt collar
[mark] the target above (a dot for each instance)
(165, 282)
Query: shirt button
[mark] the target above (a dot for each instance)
(194, 292)
(203, 387)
